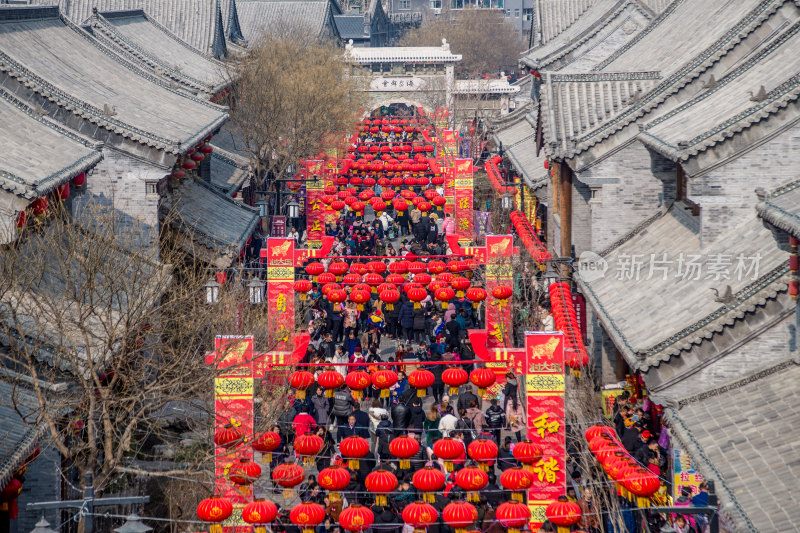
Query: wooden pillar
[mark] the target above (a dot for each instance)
(565, 212)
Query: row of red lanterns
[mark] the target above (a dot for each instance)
(535, 247)
(566, 320)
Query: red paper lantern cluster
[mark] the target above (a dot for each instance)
(566, 320)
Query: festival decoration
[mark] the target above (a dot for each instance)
(353, 448)
(215, 511)
(421, 379)
(334, 479)
(484, 452)
(308, 446)
(420, 515)
(288, 476)
(483, 378)
(381, 483)
(455, 378)
(266, 443)
(358, 380)
(307, 516)
(404, 447)
(428, 480)
(259, 513)
(472, 479)
(356, 518)
(449, 450)
(382, 380)
(459, 515)
(563, 513)
(301, 380)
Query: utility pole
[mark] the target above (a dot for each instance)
(87, 505)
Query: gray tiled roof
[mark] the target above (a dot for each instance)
(725, 25)
(519, 142)
(555, 16)
(228, 172)
(38, 154)
(52, 56)
(140, 38)
(603, 14)
(17, 438)
(309, 16)
(351, 26)
(230, 21)
(745, 437)
(210, 219)
(197, 22)
(720, 112)
(782, 208)
(684, 308)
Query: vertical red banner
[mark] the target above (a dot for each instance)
(233, 404)
(315, 208)
(464, 215)
(499, 249)
(280, 293)
(544, 389)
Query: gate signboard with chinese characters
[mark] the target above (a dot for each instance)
(544, 388)
(315, 208)
(464, 216)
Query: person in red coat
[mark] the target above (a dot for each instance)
(303, 423)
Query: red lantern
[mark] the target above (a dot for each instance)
(63, 191)
(188, 164)
(308, 446)
(428, 480)
(642, 484)
(483, 378)
(380, 483)
(513, 515)
(417, 267)
(244, 472)
(360, 297)
(527, 453)
(334, 479)
(421, 379)
(416, 295)
(301, 380)
(356, 518)
(79, 180)
(330, 380)
(336, 297)
(266, 443)
(455, 377)
(315, 269)
(563, 514)
(358, 380)
(338, 268)
(502, 292)
(404, 447)
(389, 297)
(448, 450)
(353, 448)
(472, 479)
(258, 513)
(460, 284)
(444, 295)
(39, 206)
(459, 515)
(302, 286)
(420, 515)
(326, 277)
(517, 480)
(288, 475)
(307, 516)
(436, 267)
(228, 436)
(214, 510)
(382, 380)
(476, 295)
(484, 452)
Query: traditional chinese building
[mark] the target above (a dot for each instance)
(314, 18)
(367, 26)
(146, 127)
(658, 157)
(207, 25)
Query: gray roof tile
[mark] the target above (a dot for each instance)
(60, 59)
(141, 39)
(556, 16)
(351, 26)
(755, 463)
(683, 307)
(782, 208)
(519, 142)
(17, 438)
(211, 219)
(227, 172)
(310, 16)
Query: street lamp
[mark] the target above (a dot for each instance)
(507, 201)
(262, 208)
(256, 289)
(293, 209)
(212, 292)
(43, 526)
(133, 524)
(550, 275)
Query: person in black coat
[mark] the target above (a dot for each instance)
(350, 429)
(466, 398)
(437, 389)
(505, 459)
(452, 332)
(417, 414)
(385, 519)
(631, 439)
(362, 422)
(401, 416)
(406, 319)
(419, 320)
(384, 432)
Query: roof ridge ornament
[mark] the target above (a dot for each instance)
(445, 45)
(760, 96)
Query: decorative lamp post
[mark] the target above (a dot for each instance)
(551, 276)
(256, 289)
(507, 202)
(293, 209)
(133, 524)
(43, 526)
(212, 292)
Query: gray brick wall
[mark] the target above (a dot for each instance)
(42, 483)
(634, 184)
(726, 194)
(119, 181)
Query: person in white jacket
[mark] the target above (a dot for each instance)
(448, 423)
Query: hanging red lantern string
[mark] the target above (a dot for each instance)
(472, 480)
(308, 446)
(307, 516)
(449, 450)
(420, 515)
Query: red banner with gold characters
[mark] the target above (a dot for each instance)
(465, 218)
(233, 402)
(280, 292)
(499, 249)
(544, 386)
(315, 207)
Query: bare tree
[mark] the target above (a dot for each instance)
(287, 95)
(487, 43)
(125, 337)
